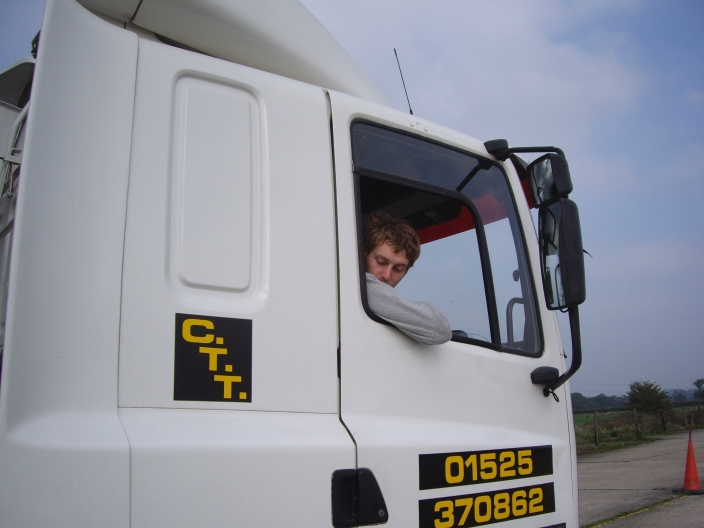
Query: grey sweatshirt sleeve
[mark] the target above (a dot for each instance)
(420, 320)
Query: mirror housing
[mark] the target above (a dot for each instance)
(562, 254)
(562, 260)
(549, 179)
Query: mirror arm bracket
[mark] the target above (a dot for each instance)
(503, 154)
(515, 150)
(551, 385)
(500, 150)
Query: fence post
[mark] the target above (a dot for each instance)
(635, 420)
(664, 423)
(596, 428)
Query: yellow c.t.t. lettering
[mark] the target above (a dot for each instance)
(227, 384)
(213, 354)
(188, 324)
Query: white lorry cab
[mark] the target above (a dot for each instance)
(186, 336)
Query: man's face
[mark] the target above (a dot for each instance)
(387, 264)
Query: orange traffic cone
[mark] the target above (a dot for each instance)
(691, 476)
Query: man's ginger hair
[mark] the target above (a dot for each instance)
(382, 228)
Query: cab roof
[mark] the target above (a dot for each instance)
(277, 36)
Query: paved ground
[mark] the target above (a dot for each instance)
(684, 512)
(624, 480)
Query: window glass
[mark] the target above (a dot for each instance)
(489, 191)
(449, 272)
(386, 151)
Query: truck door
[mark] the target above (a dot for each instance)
(455, 434)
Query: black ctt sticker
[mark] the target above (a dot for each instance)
(213, 359)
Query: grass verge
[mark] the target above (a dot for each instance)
(621, 429)
(590, 449)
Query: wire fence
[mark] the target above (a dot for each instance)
(610, 429)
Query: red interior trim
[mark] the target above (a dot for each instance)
(526, 191)
(490, 209)
(464, 222)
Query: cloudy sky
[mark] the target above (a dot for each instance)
(617, 84)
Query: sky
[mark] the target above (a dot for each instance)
(617, 84)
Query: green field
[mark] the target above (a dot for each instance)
(619, 429)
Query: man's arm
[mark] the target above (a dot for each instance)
(420, 320)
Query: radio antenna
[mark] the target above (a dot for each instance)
(404, 82)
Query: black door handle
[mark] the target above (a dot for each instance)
(357, 499)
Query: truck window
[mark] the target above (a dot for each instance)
(473, 263)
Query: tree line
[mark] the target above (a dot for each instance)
(644, 396)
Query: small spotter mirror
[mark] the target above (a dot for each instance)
(549, 178)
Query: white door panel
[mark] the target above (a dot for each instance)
(231, 235)
(401, 399)
(390, 446)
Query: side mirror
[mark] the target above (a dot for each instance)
(549, 178)
(563, 280)
(562, 254)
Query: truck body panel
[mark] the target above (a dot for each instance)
(214, 468)
(63, 445)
